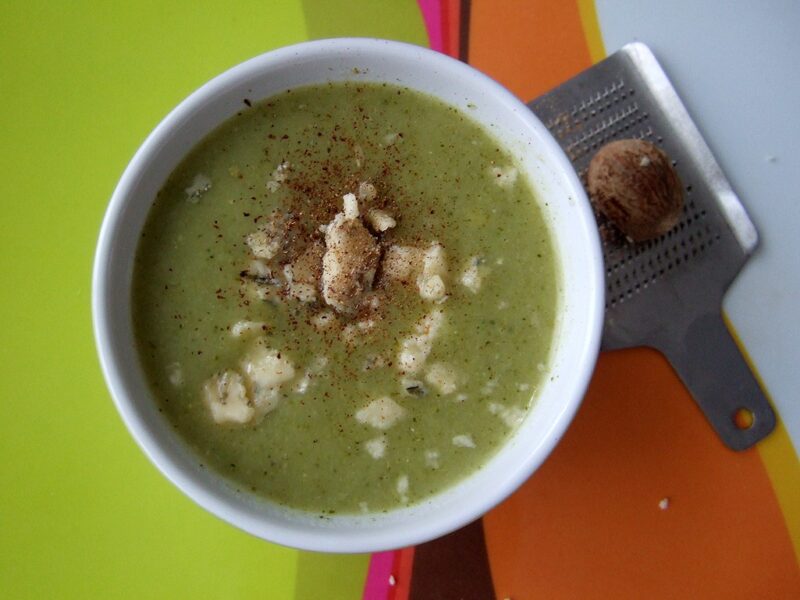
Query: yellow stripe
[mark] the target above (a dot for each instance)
(591, 30)
(783, 469)
(780, 460)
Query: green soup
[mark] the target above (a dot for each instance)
(441, 339)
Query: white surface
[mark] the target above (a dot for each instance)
(568, 213)
(735, 66)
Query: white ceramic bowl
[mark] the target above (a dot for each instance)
(567, 213)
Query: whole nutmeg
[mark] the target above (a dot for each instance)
(633, 184)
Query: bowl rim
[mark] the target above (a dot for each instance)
(330, 540)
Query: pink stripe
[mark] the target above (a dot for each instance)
(432, 15)
(377, 585)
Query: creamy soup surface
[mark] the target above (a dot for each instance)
(344, 298)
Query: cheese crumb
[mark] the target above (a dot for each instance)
(350, 260)
(367, 191)
(414, 350)
(510, 415)
(225, 396)
(432, 459)
(401, 262)
(402, 487)
(472, 276)
(380, 220)
(175, 374)
(489, 387)
(303, 384)
(350, 206)
(463, 441)
(304, 292)
(259, 269)
(267, 240)
(430, 282)
(376, 447)
(432, 288)
(505, 177)
(663, 504)
(200, 185)
(267, 368)
(278, 176)
(381, 413)
(442, 377)
(246, 328)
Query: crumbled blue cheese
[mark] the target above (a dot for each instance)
(432, 288)
(367, 191)
(463, 441)
(428, 267)
(242, 329)
(258, 268)
(432, 459)
(414, 350)
(264, 242)
(401, 262)
(442, 377)
(304, 292)
(376, 447)
(489, 387)
(200, 185)
(302, 385)
(390, 138)
(402, 487)
(430, 282)
(472, 275)
(278, 176)
(510, 415)
(225, 395)
(505, 177)
(254, 290)
(265, 399)
(381, 413)
(267, 368)
(350, 206)
(380, 220)
(175, 374)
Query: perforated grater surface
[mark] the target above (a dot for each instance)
(667, 293)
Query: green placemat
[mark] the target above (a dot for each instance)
(83, 514)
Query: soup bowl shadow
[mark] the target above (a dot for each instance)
(567, 214)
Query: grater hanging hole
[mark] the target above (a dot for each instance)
(744, 418)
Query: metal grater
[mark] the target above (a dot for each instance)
(667, 293)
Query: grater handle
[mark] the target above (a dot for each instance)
(712, 367)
